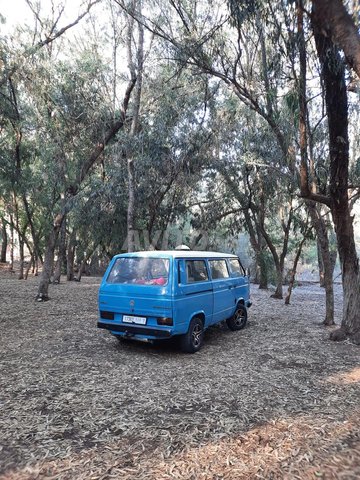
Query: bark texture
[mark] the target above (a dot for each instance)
(4, 243)
(70, 257)
(293, 271)
(340, 25)
(43, 289)
(326, 259)
(61, 253)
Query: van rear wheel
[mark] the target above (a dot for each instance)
(239, 319)
(192, 341)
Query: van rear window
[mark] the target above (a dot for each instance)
(140, 271)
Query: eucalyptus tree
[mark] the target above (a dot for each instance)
(135, 56)
(72, 122)
(312, 145)
(242, 49)
(166, 135)
(16, 168)
(337, 195)
(246, 183)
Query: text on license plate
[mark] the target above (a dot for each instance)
(132, 319)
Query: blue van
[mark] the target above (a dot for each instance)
(159, 294)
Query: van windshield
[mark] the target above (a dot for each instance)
(140, 270)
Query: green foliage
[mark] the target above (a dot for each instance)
(217, 147)
(241, 11)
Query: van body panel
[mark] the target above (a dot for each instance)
(240, 289)
(190, 301)
(224, 300)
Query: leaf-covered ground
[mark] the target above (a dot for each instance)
(277, 400)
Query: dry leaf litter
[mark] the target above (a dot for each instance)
(277, 400)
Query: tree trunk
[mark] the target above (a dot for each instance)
(342, 29)
(81, 271)
(35, 236)
(28, 268)
(325, 270)
(21, 254)
(257, 242)
(131, 205)
(47, 269)
(4, 242)
(279, 283)
(350, 325)
(35, 270)
(12, 240)
(263, 270)
(333, 75)
(326, 259)
(57, 271)
(320, 264)
(70, 257)
(61, 253)
(279, 260)
(329, 265)
(293, 271)
(84, 264)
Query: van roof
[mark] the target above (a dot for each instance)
(178, 254)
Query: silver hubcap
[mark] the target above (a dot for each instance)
(196, 335)
(239, 318)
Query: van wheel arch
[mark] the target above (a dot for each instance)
(201, 316)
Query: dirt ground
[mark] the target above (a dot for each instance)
(277, 400)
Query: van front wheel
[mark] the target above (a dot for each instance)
(239, 319)
(192, 341)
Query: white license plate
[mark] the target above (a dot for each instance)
(131, 319)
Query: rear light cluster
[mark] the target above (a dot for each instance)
(107, 315)
(164, 321)
(160, 320)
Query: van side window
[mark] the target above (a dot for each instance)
(218, 269)
(235, 267)
(196, 271)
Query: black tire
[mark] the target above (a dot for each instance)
(239, 319)
(192, 341)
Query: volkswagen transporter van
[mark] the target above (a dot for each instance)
(161, 294)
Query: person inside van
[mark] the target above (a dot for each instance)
(153, 273)
(158, 272)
